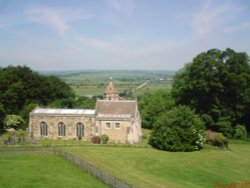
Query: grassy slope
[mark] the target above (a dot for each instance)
(42, 170)
(147, 167)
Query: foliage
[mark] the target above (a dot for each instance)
(217, 84)
(221, 141)
(224, 125)
(21, 88)
(217, 139)
(80, 102)
(2, 115)
(96, 140)
(240, 132)
(14, 121)
(24, 113)
(180, 129)
(85, 102)
(153, 105)
(104, 139)
(15, 137)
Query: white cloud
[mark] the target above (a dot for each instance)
(58, 19)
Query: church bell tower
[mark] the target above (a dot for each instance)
(111, 92)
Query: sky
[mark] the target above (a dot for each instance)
(57, 35)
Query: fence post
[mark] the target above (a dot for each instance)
(98, 173)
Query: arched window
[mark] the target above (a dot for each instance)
(43, 129)
(61, 129)
(79, 130)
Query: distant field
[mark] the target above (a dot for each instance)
(95, 82)
(42, 170)
(147, 167)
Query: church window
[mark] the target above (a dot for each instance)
(79, 130)
(43, 129)
(61, 129)
(117, 125)
(108, 126)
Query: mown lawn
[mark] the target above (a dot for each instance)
(147, 167)
(42, 170)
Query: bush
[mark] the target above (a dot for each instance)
(180, 129)
(104, 139)
(225, 127)
(15, 137)
(217, 139)
(14, 121)
(221, 141)
(96, 140)
(240, 132)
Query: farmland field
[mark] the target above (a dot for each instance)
(93, 83)
(147, 167)
(42, 170)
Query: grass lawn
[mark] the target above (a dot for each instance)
(42, 170)
(148, 167)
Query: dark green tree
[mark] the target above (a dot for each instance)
(216, 84)
(153, 105)
(179, 129)
(20, 87)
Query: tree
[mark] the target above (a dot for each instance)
(153, 105)
(240, 132)
(216, 84)
(21, 88)
(2, 115)
(14, 121)
(180, 129)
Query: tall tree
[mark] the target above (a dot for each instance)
(153, 105)
(217, 85)
(20, 87)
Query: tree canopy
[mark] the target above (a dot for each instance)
(153, 105)
(217, 86)
(21, 88)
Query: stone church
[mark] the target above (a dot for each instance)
(114, 116)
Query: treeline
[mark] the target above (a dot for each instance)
(22, 89)
(213, 88)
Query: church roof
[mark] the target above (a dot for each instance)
(50, 111)
(115, 109)
(111, 89)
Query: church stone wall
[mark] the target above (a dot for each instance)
(70, 124)
(115, 134)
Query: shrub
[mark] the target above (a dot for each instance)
(225, 127)
(14, 121)
(217, 139)
(104, 139)
(180, 129)
(15, 137)
(96, 140)
(221, 141)
(240, 132)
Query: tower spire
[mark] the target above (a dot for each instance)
(111, 92)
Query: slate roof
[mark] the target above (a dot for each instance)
(115, 109)
(50, 111)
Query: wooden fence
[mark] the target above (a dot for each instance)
(100, 174)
